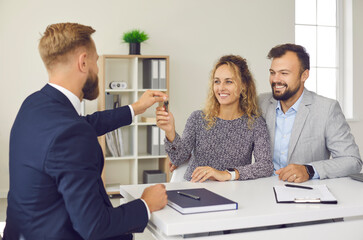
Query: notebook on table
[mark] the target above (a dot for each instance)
(198, 200)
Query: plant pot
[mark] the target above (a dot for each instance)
(134, 49)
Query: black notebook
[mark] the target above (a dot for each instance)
(198, 200)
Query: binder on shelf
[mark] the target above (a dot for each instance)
(162, 73)
(198, 200)
(153, 140)
(317, 194)
(161, 142)
(109, 101)
(151, 73)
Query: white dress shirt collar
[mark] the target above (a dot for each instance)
(71, 97)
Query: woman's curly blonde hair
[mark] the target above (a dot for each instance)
(244, 81)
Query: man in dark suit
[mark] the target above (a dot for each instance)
(56, 190)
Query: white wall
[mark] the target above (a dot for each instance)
(194, 33)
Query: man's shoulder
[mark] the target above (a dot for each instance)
(34, 98)
(266, 96)
(264, 102)
(318, 100)
(48, 114)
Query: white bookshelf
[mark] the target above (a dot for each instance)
(128, 169)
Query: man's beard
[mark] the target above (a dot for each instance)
(90, 88)
(287, 94)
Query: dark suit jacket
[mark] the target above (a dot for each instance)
(56, 190)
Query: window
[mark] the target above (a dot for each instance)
(319, 27)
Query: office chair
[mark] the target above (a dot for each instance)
(178, 174)
(2, 227)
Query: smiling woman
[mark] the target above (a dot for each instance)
(226, 90)
(231, 71)
(218, 142)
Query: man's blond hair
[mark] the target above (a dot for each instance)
(62, 38)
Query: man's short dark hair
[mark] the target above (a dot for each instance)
(280, 50)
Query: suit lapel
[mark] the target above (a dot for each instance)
(299, 122)
(271, 120)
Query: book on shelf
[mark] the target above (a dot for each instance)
(114, 138)
(114, 143)
(154, 73)
(118, 136)
(198, 200)
(148, 120)
(110, 143)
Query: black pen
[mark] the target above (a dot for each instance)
(166, 106)
(189, 195)
(298, 186)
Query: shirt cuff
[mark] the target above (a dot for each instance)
(132, 113)
(316, 174)
(148, 210)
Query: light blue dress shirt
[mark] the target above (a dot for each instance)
(283, 129)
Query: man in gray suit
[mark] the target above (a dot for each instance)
(310, 137)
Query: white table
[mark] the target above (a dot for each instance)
(258, 209)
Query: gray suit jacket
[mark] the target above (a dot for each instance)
(320, 136)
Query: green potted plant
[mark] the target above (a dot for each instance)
(134, 38)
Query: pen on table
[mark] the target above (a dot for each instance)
(298, 186)
(189, 195)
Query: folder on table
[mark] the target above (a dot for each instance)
(318, 194)
(208, 201)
